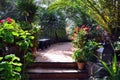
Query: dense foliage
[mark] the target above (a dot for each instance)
(11, 35)
(105, 12)
(53, 25)
(10, 68)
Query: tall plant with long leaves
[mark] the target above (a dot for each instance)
(28, 9)
(112, 70)
(105, 12)
(53, 25)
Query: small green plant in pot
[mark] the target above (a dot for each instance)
(79, 58)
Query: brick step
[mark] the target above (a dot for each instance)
(68, 65)
(56, 71)
(39, 73)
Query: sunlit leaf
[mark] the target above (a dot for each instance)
(15, 34)
(114, 64)
(1, 58)
(18, 69)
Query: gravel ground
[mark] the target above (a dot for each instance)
(60, 52)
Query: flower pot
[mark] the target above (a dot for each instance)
(34, 50)
(77, 29)
(81, 65)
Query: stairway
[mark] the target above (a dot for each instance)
(56, 71)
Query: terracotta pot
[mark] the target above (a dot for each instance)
(77, 29)
(81, 65)
(34, 50)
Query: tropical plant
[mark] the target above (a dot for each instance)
(78, 56)
(89, 50)
(112, 70)
(53, 25)
(28, 9)
(10, 67)
(98, 10)
(13, 38)
(79, 39)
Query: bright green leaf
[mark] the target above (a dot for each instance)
(1, 58)
(15, 34)
(18, 69)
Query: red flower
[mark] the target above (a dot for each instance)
(83, 26)
(86, 28)
(77, 29)
(98, 27)
(1, 21)
(8, 19)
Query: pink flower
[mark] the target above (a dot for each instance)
(83, 26)
(1, 21)
(8, 19)
(98, 27)
(86, 29)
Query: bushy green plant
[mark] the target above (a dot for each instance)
(78, 56)
(10, 67)
(29, 58)
(11, 34)
(80, 39)
(89, 50)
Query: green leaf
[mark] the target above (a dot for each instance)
(106, 67)
(10, 56)
(114, 64)
(8, 26)
(1, 58)
(8, 37)
(17, 64)
(15, 58)
(1, 69)
(31, 37)
(15, 34)
(18, 69)
(23, 36)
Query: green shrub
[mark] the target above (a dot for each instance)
(10, 68)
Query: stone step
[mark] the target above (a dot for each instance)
(68, 65)
(39, 73)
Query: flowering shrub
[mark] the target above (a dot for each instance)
(92, 32)
(12, 34)
(84, 43)
(79, 38)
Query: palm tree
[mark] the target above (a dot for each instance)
(105, 12)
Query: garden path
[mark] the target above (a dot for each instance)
(59, 52)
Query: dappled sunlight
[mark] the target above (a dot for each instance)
(60, 52)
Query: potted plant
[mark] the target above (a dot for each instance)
(36, 33)
(89, 50)
(80, 39)
(79, 58)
